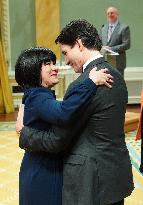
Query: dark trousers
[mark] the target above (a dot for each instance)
(118, 203)
(141, 166)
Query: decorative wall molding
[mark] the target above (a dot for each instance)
(133, 78)
(134, 82)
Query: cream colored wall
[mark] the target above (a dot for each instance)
(48, 24)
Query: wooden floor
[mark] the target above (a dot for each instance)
(133, 108)
(8, 117)
(13, 116)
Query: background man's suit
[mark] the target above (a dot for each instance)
(97, 168)
(119, 42)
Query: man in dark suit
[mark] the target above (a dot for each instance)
(116, 37)
(97, 167)
(139, 134)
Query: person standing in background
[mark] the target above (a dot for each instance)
(139, 135)
(116, 37)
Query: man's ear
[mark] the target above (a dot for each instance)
(80, 44)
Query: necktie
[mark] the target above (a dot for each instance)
(110, 32)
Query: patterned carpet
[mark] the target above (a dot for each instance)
(11, 155)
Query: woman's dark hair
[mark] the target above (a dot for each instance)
(80, 29)
(28, 66)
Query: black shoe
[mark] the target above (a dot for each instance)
(141, 169)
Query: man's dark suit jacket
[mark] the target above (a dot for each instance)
(97, 167)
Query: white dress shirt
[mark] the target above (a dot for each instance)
(97, 55)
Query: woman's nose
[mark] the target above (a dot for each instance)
(54, 67)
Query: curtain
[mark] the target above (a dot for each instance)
(6, 102)
(48, 24)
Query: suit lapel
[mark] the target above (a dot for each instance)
(115, 32)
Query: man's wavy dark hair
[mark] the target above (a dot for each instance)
(80, 29)
(28, 66)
